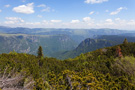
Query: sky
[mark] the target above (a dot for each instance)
(82, 14)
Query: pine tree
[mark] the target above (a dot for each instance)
(125, 41)
(40, 52)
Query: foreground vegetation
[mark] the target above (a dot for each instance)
(110, 68)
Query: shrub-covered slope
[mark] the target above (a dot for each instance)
(109, 68)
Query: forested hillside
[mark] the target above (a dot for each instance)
(85, 46)
(23, 43)
(117, 39)
(111, 68)
(90, 44)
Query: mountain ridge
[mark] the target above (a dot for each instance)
(92, 44)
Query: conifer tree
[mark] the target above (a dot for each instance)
(125, 41)
(40, 52)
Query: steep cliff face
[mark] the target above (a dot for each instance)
(30, 43)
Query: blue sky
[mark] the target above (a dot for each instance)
(116, 14)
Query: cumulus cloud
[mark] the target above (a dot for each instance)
(56, 21)
(95, 1)
(0, 10)
(44, 7)
(7, 5)
(13, 20)
(25, 9)
(86, 19)
(117, 11)
(109, 21)
(91, 12)
(75, 21)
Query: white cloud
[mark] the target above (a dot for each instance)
(41, 5)
(0, 10)
(120, 21)
(86, 19)
(33, 23)
(117, 23)
(117, 19)
(95, 1)
(85, 23)
(91, 12)
(7, 5)
(47, 9)
(56, 21)
(9, 22)
(117, 11)
(25, 9)
(108, 20)
(75, 21)
(40, 16)
(13, 20)
(131, 22)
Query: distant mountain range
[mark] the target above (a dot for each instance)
(60, 43)
(78, 35)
